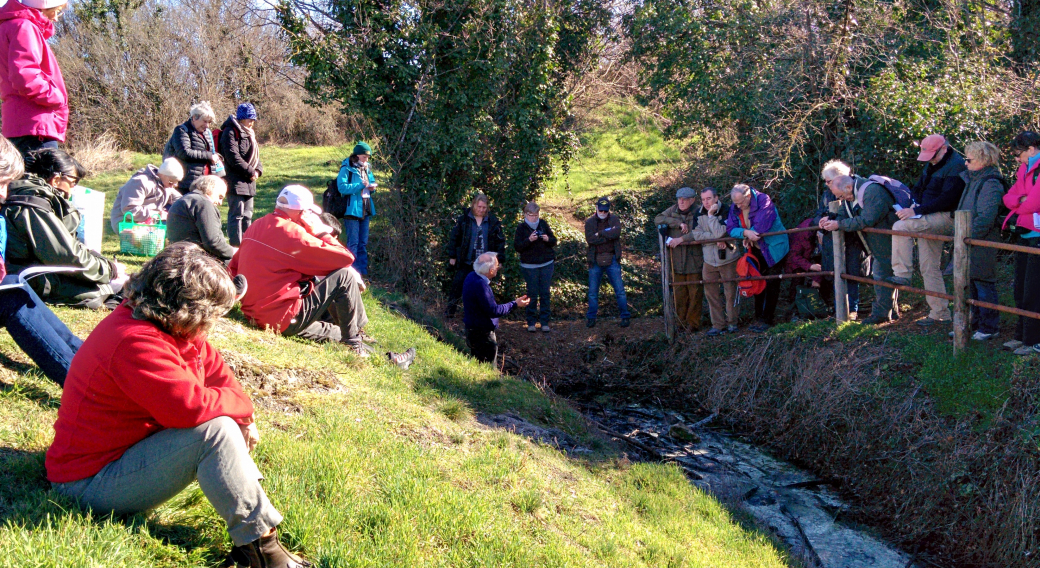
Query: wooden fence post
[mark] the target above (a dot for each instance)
(841, 290)
(961, 266)
(666, 290)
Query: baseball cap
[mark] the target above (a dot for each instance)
(297, 198)
(929, 146)
(603, 204)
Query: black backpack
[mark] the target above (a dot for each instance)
(334, 202)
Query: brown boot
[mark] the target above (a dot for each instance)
(266, 552)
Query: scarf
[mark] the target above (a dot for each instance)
(534, 226)
(254, 150)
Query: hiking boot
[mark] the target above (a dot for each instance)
(241, 286)
(591, 322)
(853, 316)
(714, 332)
(366, 338)
(928, 322)
(1028, 350)
(265, 552)
(624, 322)
(402, 360)
(360, 348)
(898, 280)
(732, 329)
(759, 326)
(1013, 344)
(876, 320)
(531, 328)
(981, 336)
(546, 328)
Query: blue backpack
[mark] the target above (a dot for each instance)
(897, 189)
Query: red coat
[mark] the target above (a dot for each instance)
(803, 245)
(35, 102)
(130, 380)
(276, 255)
(1027, 185)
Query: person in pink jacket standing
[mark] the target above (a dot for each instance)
(35, 104)
(1023, 199)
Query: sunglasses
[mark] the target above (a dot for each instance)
(71, 179)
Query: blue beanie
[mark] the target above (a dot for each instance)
(246, 111)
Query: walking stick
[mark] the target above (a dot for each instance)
(671, 265)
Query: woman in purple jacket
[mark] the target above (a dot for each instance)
(752, 214)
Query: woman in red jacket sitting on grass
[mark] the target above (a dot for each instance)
(150, 406)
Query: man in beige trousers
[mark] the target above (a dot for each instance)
(720, 263)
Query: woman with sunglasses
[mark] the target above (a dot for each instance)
(41, 230)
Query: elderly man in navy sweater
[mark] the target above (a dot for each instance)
(481, 311)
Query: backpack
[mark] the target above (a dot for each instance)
(897, 189)
(334, 202)
(747, 267)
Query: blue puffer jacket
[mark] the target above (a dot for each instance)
(349, 183)
(764, 219)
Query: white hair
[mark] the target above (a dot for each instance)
(835, 169)
(202, 110)
(485, 263)
(845, 183)
(207, 185)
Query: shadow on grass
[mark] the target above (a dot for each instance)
(26, 388)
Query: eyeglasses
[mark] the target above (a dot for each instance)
(71, 179)
(968, 160)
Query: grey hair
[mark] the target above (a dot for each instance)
(835, 169)
(207, 185)
(531, 207)
(741, 188)
(202, 110)
(11, 165)
(485, 263)
(844, 183)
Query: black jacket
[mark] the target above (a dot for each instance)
(461, 238)
(940, 186)
(538, 252)
(188, 145)
(195, 218)
(235, 148)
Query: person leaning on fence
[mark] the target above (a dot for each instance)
(854, 251)
(476, 231)
(41, 231)
(192, 143)
(720, 263)
(241, 153)
(35, 112)
(301, 282)
(687, 262)
(481, 312)
(33, 326)
(936, 193)
(803, 257)
(534, 241)
(983, 191)
(149, 406)
(603, 235)
(752, 214)
(356, 182)
(872, 208)
(148, 194)
(1023, 199)
(195, 218)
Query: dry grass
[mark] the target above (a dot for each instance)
(101, 154)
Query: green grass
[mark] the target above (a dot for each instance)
(374, 466)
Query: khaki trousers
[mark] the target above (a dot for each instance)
(722, 314)
(929, 254)
(689, 301)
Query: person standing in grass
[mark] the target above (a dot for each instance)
(149, 406)
(1023, 199)
(535, 241)
(687, 261)
(603, 235)
(241, 153)
(357, 182)
(481, 312)
(752, 214)
(476, 231)
(720, 263)
(35, 109)
(193, 145)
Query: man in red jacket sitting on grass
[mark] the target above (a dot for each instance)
(300, 277)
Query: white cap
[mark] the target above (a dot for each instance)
(171, 167)
(43, 4)
(297, 198)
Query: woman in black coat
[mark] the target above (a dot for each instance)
(192, 143)
(241, 154)
(476, 231)
(534, 242)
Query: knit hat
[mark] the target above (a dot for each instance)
(171, 167)
(246, 111)
(685, 193)
(603, 204)
(43, 4)
(362, 149)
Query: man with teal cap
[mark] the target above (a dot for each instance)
(356, 182)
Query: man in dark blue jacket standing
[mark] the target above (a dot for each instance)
(481, 312)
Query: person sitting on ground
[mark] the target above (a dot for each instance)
(149, 193)
(192, 143)
(687, 261)
(603, 235)
(534, 241)
(195, 218)
(475, 232)
(936, 193)
(301, 282)
(241, 153)
(481, 312)
(720, 263)
(1023, 199)
(41, 231)
(150, 406)
(32, 325)
(873, 208)
(854, 252)
(752, 214)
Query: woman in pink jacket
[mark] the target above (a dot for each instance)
(35, 108)
(1023, 199)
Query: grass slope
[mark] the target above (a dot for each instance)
(372, 466)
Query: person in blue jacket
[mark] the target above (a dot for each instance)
(356, 181)
(752, 214)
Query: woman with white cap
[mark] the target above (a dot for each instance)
(149, 193)
(35, 110)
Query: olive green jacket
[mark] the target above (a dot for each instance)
(686, 259)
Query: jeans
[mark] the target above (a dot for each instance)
(881, 269)
(355, 238)
(239, 217)
(1027, 293)
(985, 319)
(38, 332)
(929, 255)
(483, 345)
(160, 466)
(613, 273)
(26, 144)
(338, 295)
(538, 280)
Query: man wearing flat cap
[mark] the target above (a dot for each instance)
(677, 224)
(603, 234)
